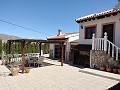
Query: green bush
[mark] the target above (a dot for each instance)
(30, 48)
(45, 48)
(0, 48)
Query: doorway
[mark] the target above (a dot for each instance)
(109, 29)
(58, 51)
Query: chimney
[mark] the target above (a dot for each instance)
(59, 32)
(117, 6)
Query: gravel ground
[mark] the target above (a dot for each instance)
(52, 76)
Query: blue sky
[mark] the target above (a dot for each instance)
(46, 16)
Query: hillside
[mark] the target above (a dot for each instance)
(6, 37)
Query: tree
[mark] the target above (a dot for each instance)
(45, 48)
(4, 47)
(16, 48)
(0, 48)
(19, 48)
(36, 48)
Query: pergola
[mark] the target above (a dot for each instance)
(25, 42)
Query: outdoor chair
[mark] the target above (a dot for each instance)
(30, 61)
(40, 61)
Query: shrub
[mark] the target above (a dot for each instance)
(0, 48)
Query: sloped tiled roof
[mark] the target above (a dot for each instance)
(98, 15)
(62, 36)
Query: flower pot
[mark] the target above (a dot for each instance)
(14, 70)
(114, 70)
(4, 62)
(102, 68)
(27, 70)
(118, 71)
(108, 69)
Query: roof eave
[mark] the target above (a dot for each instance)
(97, 16)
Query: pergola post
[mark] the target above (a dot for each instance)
(62, 59)
(23, 55)
(9, 49)
(40, 47)
(73, 56)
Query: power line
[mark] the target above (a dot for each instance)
(24, 27)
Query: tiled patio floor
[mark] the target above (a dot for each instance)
(54, 77)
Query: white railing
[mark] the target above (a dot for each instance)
(112, 49)
(18, 57)
(105, 45)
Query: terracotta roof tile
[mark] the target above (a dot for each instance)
(63, 36)
(96, 15)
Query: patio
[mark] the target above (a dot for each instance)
(54, 77)
(25, 42)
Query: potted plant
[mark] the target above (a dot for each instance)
(118, 66)
(108, 68)
(118, 70)
(27, 69)
(102, 67)
(114, 69)
(4, 62)
(14, 70)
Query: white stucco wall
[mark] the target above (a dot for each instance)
(52, 46)
(70, 39)
(99, 23)
(117, 31)
(68, 45)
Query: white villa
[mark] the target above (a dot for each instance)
(98, 23)
(71, 40)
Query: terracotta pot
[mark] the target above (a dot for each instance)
(108, 69)
(14, 70)
(118, 71)
(27, 70)
(115, 70)
(102, 68)
(4, 62)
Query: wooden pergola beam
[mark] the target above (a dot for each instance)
(40, 41)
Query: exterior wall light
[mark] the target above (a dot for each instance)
(81, 26)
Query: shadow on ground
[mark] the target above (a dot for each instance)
(57, 59)
(116, 87)
(67, 62)
(75, 65)
(31, 66)
(47, 64)
(43, 65)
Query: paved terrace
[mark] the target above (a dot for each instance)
(54, 77)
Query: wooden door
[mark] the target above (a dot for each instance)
(109, 30)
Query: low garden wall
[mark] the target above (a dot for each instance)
(99, 57)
